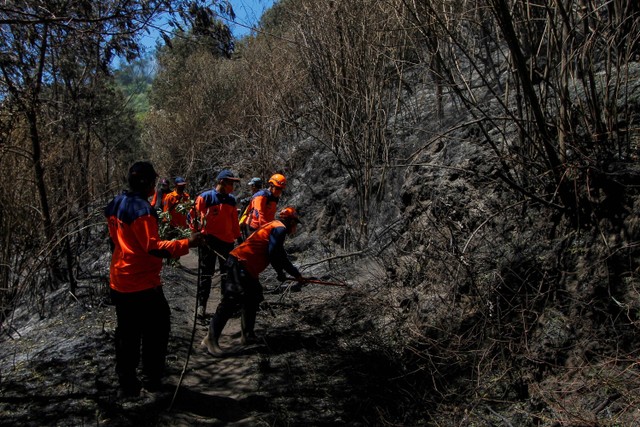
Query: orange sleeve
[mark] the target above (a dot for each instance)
(200, 212)
(145, 230)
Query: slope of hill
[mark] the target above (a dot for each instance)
(317, 362)
(472, 302)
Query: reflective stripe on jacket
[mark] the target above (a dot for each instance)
(264, 246)
(243, 217)
(218, 215)
(138, 251)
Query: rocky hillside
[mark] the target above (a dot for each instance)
(490, 283)
(498, 308)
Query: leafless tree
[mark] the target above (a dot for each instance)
(565, 68)
(351, 54)
(61, 118)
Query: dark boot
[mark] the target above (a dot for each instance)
(248, 323)
(210, 342)
(211, 345)
(202, 310)
(129, 388)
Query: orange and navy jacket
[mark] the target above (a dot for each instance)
(262, 209)
(169, 203)
(265, 246)
(217, 215)
(137, 249)
(158, 197)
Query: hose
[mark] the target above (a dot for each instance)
(193, 334)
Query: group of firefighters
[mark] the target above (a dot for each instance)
(242, 247)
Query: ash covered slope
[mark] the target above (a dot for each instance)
(470, 302)
(496, 306)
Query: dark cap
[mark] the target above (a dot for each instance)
(141, 175)
(180, 181)
(227, 174)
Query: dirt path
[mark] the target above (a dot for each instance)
(213, 389)
(262, 384)
(313, 364)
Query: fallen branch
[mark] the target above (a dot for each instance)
(335, 257)
(319, 282)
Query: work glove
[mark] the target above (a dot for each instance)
(196, 239)
(282, 276)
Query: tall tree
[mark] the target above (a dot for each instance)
(350, 52)
(555, 73)
(183, 128)
(55, 60)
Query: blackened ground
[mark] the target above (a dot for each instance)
(314, 364)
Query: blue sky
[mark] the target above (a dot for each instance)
(248, 13)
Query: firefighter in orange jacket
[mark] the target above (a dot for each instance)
(264, 203)
(160, 193)
(242, 288)
(142, 311)
(172, 200)
(217, 218)
(255, 185)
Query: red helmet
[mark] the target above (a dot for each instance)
(278, 181)
(289, 214)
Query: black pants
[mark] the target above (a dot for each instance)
(213, 249)
(239, 291)
(143, 324)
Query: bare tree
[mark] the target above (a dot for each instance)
(210, 111)
(565, 68)
(62, 119)
(185, 128)
(350, 54)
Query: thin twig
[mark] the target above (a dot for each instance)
(335, 257)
